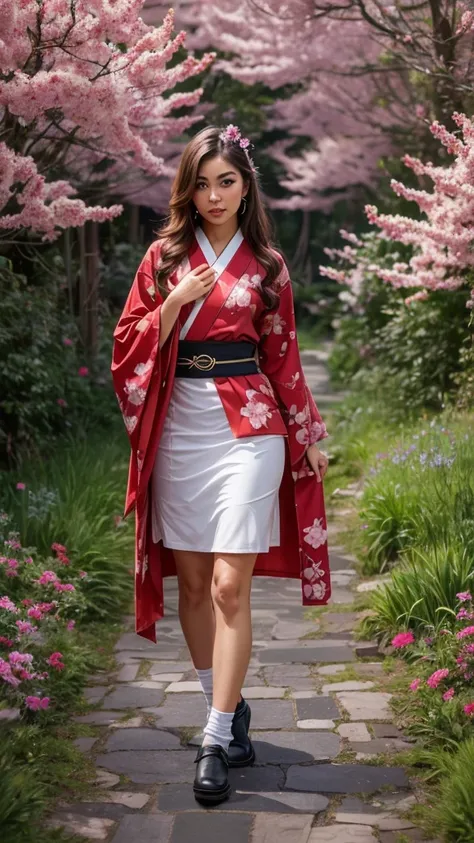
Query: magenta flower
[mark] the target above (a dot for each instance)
(415, 684)
(20, 658)
(244, 143)
(70, 625)
(463, 633)
(67, 341)
(6, 603)
(437, 677)
(37, 703)
(47, 577)
(469, 709)
(66, 586)
(21, 486)
(6, 641)
(55, 661)
(403, 639)
(35, 613)
(464, 596)
(83, 371)
(82, 574)
(448, 695)
(61, 402)
(25, 627)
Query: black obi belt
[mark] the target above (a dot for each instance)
(212, 359)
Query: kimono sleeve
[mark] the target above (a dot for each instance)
(138, 364)
(279, 360)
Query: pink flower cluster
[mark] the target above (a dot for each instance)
(403, 639)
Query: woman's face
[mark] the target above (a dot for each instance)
(219, 191)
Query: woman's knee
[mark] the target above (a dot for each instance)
(194, 582)
(231, 585)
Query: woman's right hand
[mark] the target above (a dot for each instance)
(194, 284)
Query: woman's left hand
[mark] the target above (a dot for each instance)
(318, 461)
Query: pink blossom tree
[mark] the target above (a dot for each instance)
(442, 242)
(85, 107)
(368, 72)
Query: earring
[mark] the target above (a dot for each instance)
(245, 205)
(196, 214)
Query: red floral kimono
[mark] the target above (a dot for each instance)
(274, 401)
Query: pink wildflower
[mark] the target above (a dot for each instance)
(35, 613)
(82, 574)
(47, 577)
(27, 602)
(464, 596)
(63, 586)
(463, 633)
(25, 627)
(70, 625)
(437, 677)
(403, 639)
(12, 563)
(6, 641)
(469, 709)
(37, 703)
(55, 661)
(448, 695)
(83, 371)
(67, 341)
(6, 603)
(28, 560)
(415, 684)
(62, 402)
(19, 658)
(21, 486)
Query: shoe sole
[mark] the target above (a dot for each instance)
(207, 797)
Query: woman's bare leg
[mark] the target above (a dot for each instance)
(196, 612)
(231, 587)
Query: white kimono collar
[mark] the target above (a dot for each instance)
(220, 263)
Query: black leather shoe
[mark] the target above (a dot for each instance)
(241, 751)
(211, 785)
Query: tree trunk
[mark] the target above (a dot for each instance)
(301, 252)
(89, 279)
(134, 225)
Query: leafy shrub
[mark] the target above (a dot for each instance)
(409, 356)
(454, 805)
(420, 493)
(421, 594)
(22, 794)
(45, 388)
(77, 498)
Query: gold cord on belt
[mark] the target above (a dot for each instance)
(204, 362)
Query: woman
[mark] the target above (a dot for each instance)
(225, 473)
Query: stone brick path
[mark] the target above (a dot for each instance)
(319, 726)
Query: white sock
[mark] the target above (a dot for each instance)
(218, 729)
(205, 678)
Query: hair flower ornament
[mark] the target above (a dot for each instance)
(232, 134)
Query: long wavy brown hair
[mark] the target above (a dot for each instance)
(177, 236)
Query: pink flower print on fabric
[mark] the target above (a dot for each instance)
(257, 412)
(136, 395)
(316, 590)
(304, 471)
(311, 433)
(142, 368)
(292, 383)
(283, 349)
(437, 677)
(267, 388)
(316, 535)
(278, 324)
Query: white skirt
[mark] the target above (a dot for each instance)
(211, 491)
